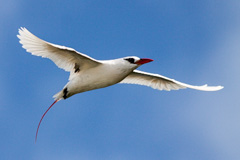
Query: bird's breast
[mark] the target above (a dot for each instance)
(98, 77)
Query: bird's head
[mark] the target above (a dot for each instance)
(136, 61)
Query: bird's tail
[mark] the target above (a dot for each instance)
(63, 94)
(58, 96)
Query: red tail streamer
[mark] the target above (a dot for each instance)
(43, 117)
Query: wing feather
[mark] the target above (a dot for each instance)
(64, 57)
(160, 82)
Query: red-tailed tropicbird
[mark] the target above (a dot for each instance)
(88, 74)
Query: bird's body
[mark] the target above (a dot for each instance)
(86, 73)
(105, 74)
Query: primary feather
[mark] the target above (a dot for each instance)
(64, 57)
(160, 82)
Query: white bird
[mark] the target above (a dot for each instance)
(87, 73)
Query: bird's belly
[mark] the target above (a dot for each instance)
(90, 81)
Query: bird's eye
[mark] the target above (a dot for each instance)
(130, 60)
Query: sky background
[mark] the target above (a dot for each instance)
(195, 42)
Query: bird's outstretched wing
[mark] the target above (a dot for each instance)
(157, 81)
(64, 57)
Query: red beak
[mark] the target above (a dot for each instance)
(143, 61)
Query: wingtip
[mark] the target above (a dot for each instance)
(216, 88)
(20, 32)
(21, 29)
(220, 87)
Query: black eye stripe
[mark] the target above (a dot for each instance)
(130, 60)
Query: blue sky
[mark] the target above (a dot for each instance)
(195, 42)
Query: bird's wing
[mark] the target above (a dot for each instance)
(64, 57)
(157, 81)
